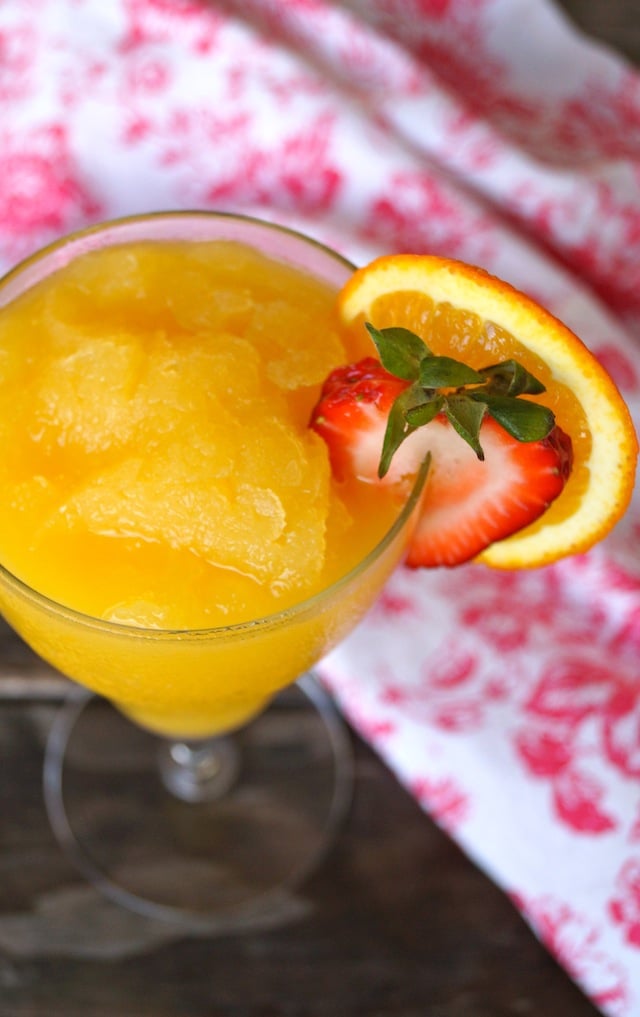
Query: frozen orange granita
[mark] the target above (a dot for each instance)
(156, 462)
(171, 534)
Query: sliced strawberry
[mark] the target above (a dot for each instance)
(352, 415)
(468, 503)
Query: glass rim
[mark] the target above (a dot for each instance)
(286, 614)
(95, 229)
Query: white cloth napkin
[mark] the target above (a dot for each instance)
(488, 130)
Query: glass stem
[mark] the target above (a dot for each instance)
(199, 771)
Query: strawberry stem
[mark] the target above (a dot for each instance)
(441, 384)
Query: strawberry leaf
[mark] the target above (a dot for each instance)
(399, 426)
(445, 372)
(511, 378)
(395, 433)
(400, 350)
(524, 420)
(466, 416)
(425, 412)
(441, 384)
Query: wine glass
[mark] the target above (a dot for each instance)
(197, 775)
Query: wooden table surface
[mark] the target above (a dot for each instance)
(397, 923)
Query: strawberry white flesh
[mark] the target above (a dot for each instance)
(468, 503)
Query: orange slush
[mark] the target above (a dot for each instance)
(161, 488)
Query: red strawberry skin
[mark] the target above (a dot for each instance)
(352, 414)
(467, 504)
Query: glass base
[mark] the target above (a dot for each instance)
(216, 864)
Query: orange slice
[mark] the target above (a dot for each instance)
(464, 312)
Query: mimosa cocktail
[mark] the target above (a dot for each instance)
(171, 534)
